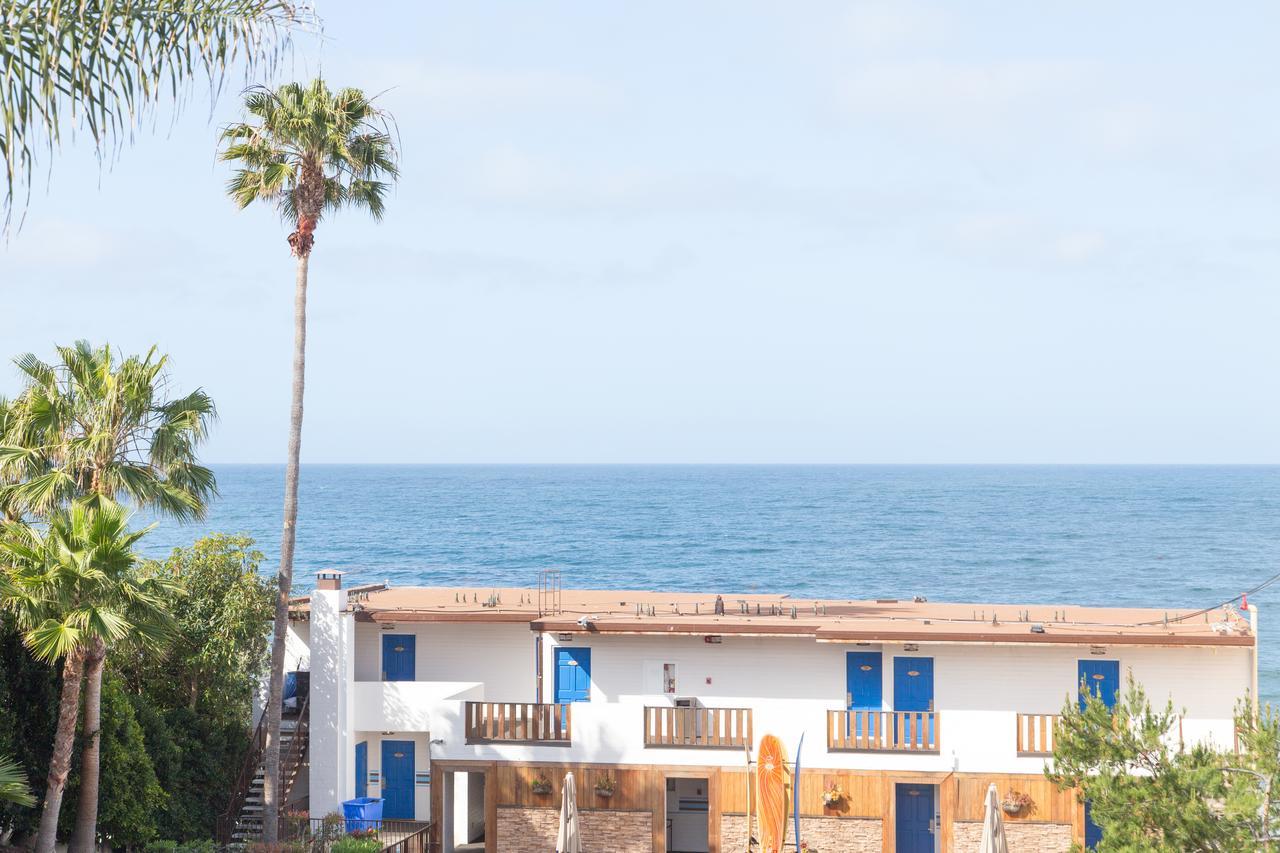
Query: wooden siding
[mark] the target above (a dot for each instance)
(869, 794)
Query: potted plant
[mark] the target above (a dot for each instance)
(605, 787)
(1015, 802)
(540, 784)
(833, 796)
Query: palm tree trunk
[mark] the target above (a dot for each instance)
(271, 750)
(84, 838)
(63, 742)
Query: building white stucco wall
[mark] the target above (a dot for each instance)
(790, 685)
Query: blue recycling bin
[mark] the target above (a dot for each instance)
(362, 813)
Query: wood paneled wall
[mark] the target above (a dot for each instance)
(515, 786)
(868, 794)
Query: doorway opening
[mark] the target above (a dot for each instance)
(688, 818)
(463, 819)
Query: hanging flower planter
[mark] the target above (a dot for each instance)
(605, 787)
(1015, 803)
(541, 785)
(833, 797)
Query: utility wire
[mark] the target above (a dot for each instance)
(1266, 583)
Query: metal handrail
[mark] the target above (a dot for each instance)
(301, 738)
(240, 792)
(226, 822)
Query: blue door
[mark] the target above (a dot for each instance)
(398, 661)
(397, 779)
(913, 691)
(573, 674)
(362, 769)
(913, 820)
(1101, 678)
(864, 684)
(1092, 832)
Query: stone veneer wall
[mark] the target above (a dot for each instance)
(522, 830)
(824, 834)
(1023, 836)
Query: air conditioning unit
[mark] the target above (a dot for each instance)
(690, 704)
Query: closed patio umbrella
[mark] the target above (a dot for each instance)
(568, 839)
(993, 840)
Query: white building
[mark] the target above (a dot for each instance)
(455, 702)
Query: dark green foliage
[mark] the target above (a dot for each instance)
(130, 795)
(1149, 792)
(175, 724)
(203, 759)
(28, 715)
(205, 846)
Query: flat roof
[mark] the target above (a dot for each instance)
(622, 612)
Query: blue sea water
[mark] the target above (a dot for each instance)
(1168, 537)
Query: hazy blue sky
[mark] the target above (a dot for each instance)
(859, 232)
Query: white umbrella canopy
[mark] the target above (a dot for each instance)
(993, 840)
(568, 839)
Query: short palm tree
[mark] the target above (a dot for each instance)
(98, 63)
(308, 151)
(98, 423)
(96, 427)
(13, 784)
(72, 588)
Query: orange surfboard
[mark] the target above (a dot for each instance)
(771, 793)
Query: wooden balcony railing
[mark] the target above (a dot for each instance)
(518, 722)
(714, 728)
(1036, 733)
(883, 731)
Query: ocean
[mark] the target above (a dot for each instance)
(1168, 537)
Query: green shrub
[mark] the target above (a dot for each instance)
(356, 845)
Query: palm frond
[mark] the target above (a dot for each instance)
(13, 784)
(310, 151)
(103, 64)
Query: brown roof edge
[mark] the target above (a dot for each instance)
(835, 635)
(440, 616)
(699, 629)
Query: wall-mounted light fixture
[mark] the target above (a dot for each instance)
(910, 647)
(565, 637)
(712, 639)
(1097, 650)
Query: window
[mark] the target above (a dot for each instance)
(669, 678)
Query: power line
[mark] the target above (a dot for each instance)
(1266, 583)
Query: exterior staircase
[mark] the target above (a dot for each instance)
(242, 821)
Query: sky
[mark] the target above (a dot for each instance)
(881, 232)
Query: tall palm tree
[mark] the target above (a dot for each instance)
(100, 63)
(73, 588)
(95, 427)
(308, 151)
